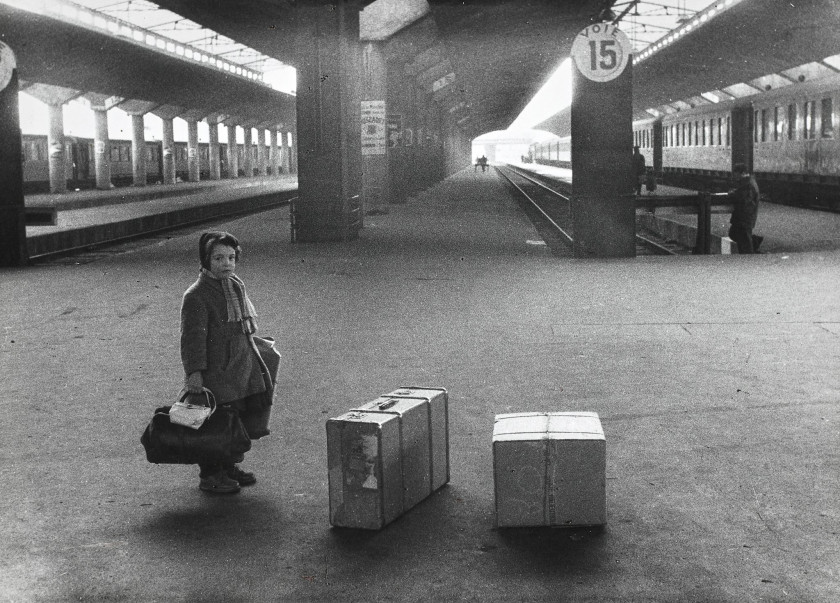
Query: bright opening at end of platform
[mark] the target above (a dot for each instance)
(553, 97)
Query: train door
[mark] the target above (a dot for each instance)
(154, 161)
(657, 147)
(742, 136)
(81, 160)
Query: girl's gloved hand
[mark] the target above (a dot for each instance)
(195, 384)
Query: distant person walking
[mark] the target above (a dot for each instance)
(745, 197)
(217, 321)
(639, 169)
(482, 161)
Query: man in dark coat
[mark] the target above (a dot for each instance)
(745, 198)
(639, 169)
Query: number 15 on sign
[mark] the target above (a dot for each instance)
(601, 52)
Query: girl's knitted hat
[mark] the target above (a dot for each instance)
(210, 239)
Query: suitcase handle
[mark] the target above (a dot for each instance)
(386, 404)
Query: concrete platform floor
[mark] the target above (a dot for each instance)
(716, 379)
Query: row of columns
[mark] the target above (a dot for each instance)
(57, 156)
(362, 147)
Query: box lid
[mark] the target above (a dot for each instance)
(578, 425)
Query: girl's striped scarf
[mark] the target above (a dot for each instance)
(239, 306)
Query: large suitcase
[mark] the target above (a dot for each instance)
(438, 400)
(549, 469)
(379, 458)
(369, 488)
(365, 471)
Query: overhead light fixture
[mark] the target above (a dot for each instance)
(607, 14)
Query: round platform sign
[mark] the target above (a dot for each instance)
(7, 65)
(601, 52)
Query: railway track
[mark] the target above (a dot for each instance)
(549, 208)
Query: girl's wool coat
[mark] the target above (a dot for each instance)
(216, 347)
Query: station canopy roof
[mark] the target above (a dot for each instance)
(151, 17)
(483, 61)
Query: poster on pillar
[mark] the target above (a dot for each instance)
(373, 127)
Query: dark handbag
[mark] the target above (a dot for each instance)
(257, 416)
(221, 439)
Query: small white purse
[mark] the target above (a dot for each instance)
(192, 415)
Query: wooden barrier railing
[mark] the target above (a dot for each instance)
(702, 201)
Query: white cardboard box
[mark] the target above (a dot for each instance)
(549, 469)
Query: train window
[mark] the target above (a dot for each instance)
(810, 119)
(827, 125)
(765, 124)
(791, 122)
(31, 151)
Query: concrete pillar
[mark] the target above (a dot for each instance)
(284, 152)
(293, 153)
(215, 162)
(273, 155)
(374, 133)
(248, 153)
(232, 152)
(603, 203)
(168, 152)
(138, 150)
(328, 135)
(261, 151)
(13, 250)
(101, 149)
(57, 154)
(402, 165)
(193, 167)
(457, 148)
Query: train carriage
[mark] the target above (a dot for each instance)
(796, 142)
(80, 169)
(697, 142)
(554, 152)
(789, 137)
